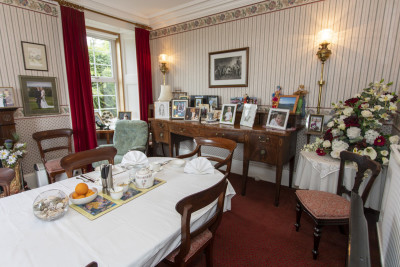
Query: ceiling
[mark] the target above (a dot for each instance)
(162, 13)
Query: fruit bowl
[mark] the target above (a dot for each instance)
(50, 205)
(85, 200)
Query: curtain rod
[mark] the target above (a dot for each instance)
(72, 5)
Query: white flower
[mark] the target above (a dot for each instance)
(385, 161)
(326, 144)
(359, 152)
(384, 153)
(394, 139)
(11, 160)
(348, 111)
(367, 99)
(4, 153)
(393, 107)
(370, 151)
(377, 84)
(365, 106)
(19, 145)
(366, 113)
(338, 145)
(353, 132)
(330, 124)
(384, 116)
(335, 154)
(335, 132)
(18, 153)
(385, 88)
(357, 96)
(377, 107)
(385, 98)
(370, 136)
(318, 140)
(342, 126)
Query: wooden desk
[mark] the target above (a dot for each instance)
(109, 134)
(260, 144)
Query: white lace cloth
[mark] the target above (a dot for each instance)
(314, 172)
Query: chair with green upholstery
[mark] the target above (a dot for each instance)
(128, 135)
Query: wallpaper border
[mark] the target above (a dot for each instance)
(260, 8)
(34, 5)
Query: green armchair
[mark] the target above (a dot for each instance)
(128, 135)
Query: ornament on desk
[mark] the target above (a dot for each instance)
(246, 98)
(275, 97)
(301, 104)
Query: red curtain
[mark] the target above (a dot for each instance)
(144, 71)
(79, 80)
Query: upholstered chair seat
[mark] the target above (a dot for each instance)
(324, 205)
(53, 165)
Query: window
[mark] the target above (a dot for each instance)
(103, 73)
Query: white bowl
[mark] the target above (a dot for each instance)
(85, 200)
(117, 192)
(177, 163)
(125, 186)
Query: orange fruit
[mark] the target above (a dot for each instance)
(80, 196)
(75, 195)
(81, 189)
(89, 193)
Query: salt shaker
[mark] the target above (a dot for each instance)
(110, 181)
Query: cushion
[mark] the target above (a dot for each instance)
(6, 175)
(195, 245)
(53, 165)
(324, 205)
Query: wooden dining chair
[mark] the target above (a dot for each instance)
(53, 166)
(224, 143)
(6, 177)
(81, 160)
(194, 242)
(332, 209)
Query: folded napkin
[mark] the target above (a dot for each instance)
(134, 158)
(199, 165)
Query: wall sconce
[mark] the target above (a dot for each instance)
(166, 92)
(324, 38)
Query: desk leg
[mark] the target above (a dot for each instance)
(245, 174)
(291, 170)
(171, 146)
(177, 146)
(279, 169)
(108, 138)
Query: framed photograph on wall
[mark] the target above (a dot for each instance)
(248, 115)
(228, 114)
(192, 114)
(229, 68)
(35, 57)
(178, 108)
(278, 118)
(7, 97)
(161, 110)
(315, 123)
(125, 115)
(288, 102)
(39, 95)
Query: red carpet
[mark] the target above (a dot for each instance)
(256, 233)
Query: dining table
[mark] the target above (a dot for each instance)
(142, 232)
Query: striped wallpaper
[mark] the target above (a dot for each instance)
(282, 51)
(18, 24)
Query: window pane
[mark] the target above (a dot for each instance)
(108, 102)
(113, 111)
(91, 57)
(107, 88)
(95, 91)
(95, 102)
(92, 73)
(102, 45)
(103, 58)
(103, 71)
(89, 42)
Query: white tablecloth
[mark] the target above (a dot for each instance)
(139, 233)
(322, 173)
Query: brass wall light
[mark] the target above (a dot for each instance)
(325, 38)
(163, 59)
(166, 92)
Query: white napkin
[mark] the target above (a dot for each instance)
(134, 158)
(199, 165)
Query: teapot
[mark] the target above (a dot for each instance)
(144, 178)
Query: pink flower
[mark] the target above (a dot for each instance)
(320, 152)
(380, 141)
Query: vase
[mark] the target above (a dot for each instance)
(15, 186)
(8, 143)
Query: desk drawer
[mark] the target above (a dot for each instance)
(187, 130)
(264, 148)
(160, 131)
(238, 137)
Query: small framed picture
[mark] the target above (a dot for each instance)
(178, 108)
(315, 123)
(228, 114)
(161, 110)
(213, 101)
(7, 97)
(192, 114)
(217, 114)
(204, 109)
(34, 55)
(288, 102)
(184, 97)
(278, 118)
(178, 94)
(198, 101)
(125, 115)
(248, 115)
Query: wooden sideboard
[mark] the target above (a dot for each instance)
(270, 146)
(7, 124)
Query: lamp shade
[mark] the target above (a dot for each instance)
(166, 93)
(163, 58)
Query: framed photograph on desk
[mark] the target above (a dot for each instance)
(278, 118)
(288, 102)
(161, 110)
(315, 123)
(228, 114)
(178, 108)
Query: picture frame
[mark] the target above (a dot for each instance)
(229, 68)
(178, 94)
(288, 102)
(7, 97)
(184, 97)
(315, 123)
(278, 118)
(178, 109)
(125, 115)
(228, 114)
(39, 95)
(248, 115)
(34, 56)
(198, 101)
(161, 110)
(213, 101)
(192, 114)
(204, 109)
(98, 120)
(217, 114)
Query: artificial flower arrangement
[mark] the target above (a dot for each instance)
(357, 123)
(9, 153)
